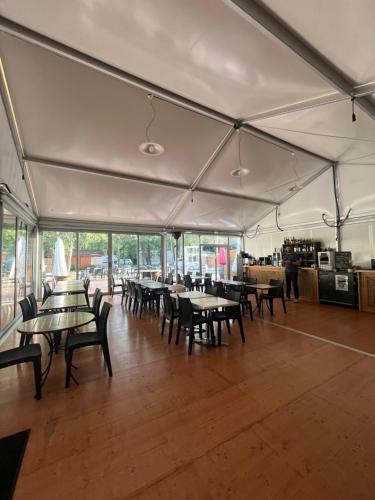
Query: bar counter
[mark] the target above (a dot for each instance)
(307, 279)
(366, 290)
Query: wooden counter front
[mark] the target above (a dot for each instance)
(366, 291)
(307, 279)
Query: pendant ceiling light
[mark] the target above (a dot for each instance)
(240, 171)
(149, 147)
(297, 186)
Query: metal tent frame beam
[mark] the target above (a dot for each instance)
(256, 12)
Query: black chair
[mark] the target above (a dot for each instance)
(26, 354)
(170, 314)
(113, 285)
(207, 283)
(251, 290)
(220, 289)
(47, 291)
(211, 290)
(197, 283)
(33, 304)
(273, 294)
(229, 313)
(188, 282)
(95, 308)
(27, 313)
(168, 281)
(86, 285)
(86, 339)
(132, 295)
(144, 297)
(124, 291)
(189, 320)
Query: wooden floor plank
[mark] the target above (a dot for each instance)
(274, 418)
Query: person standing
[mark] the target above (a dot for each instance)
(291, 261)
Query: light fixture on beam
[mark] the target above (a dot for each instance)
(151, 148)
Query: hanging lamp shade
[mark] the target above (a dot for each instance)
(151, 148)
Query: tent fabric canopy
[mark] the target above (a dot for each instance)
(76, 77)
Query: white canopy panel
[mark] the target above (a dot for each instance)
(327, 130)
(71, 113)
(341, 30)
(211, 211)
(205, 51)
(273, 170)
(74, 195)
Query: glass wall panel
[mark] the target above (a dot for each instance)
(124, 255)
(234, 250)
(149, 255)
(21, 253)
(93, 260)
(191, 253)
(8, 269)
(59, 259)
(170, 255)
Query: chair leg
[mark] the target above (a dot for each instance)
(219, 333)
(250, 310)
(170, 331)
(271, 306)
(240, 324)
(228, 325)
(178, 332)
(191, 338)
(107, 358)
(69, 360)
(283, 301)
(38, 378)
(22, 339)
(200, 331)
(162, 326)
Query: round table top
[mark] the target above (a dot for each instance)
(55, 322)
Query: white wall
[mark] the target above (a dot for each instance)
(301, 215)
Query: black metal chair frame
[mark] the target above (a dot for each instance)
(273, 294)
(188, 319)
(170, 313)
(26, 354)
(87, 339)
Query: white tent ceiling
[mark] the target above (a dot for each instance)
(82, 119)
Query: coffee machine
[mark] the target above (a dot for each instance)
(326, 260)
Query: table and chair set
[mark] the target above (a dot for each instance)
(65, 308)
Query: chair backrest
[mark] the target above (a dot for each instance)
(219, 288)
(168, 281)
(33, 303)
(186, 312)
(27, 312)
(276, 293)
(208, 275)
(207, 281)
(235, 278)
(103, 319)
(234, 312)
(47, 291)
(212, 290)
(138, 291)
(86, 284)
(96, 302)
(250, 281)
(132, 289)
(160, 279)
(168, 305)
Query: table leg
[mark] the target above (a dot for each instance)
(45, 372)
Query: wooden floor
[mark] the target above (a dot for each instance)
(284, 416)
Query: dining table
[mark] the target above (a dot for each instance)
(63, 302)
(49, 324)
(68, 287)
(209, 304)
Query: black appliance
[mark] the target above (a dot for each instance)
(338, 288)
(343, 261)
